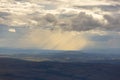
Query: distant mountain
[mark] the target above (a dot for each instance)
(105, 51)
(56, 55)
(26, 51)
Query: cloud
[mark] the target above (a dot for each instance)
(50, 18)
(12, 30)
(84, 22)
(59, 24)
(113, 22)
(20, 13)
(3, 14)
(109, 8)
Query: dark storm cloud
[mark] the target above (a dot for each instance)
(113, 22)
(50, 18)
(78, 22)
(84, 22)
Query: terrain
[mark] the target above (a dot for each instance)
(15, 69)
(20, 64)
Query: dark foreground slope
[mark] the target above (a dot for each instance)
(13, 69)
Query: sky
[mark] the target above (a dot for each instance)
(60, 24)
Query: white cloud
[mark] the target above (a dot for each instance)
(12, 30)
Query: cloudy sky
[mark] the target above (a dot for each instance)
(60, 24)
